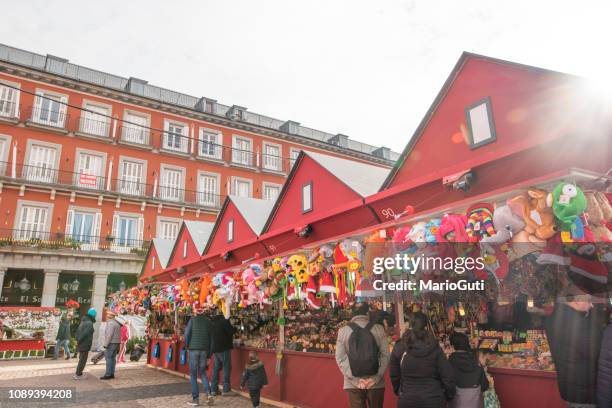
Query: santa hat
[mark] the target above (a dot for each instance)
(588, 264)
(313, 301)
(313, 285)
(553, 252)
(340, 256)
(327, 283)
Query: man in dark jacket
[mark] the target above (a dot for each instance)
(604, 375)
(222, 344)
(574, 332)
(84, 338)
(199, 344)
(63, 338)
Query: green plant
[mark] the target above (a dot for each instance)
(73, 344)
(138, 251)
(40, 353)
(133, 341)
(8, 354)
(1, 355)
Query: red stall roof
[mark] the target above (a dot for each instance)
(157, 258)
(188, 247)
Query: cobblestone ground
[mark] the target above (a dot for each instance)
(135, 385)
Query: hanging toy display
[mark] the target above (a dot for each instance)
(568, 202)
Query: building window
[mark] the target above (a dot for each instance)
(152, 263)
(271, 191)
(208, 190)
(9, 101)
(33, 222)
(242, 187)
(5, 143)
(83, 226)
(132, 174)
(135, 128)
(49, 109)
(95, 120)
(242, 151)
(176, 137)
(185, 249)
(171, 184)
(230, 230)
(293, 155)
(89, 171)
(307, 197)
(272, 157)
(127, 232)
(481, 128)
(211, 144)
(42, 163)
(168, 229)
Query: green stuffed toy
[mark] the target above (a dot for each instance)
(568, 203)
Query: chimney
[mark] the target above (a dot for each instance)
(55, 64)
(205, 105)
(339, 140)
(382, 152)
(136, 86)
(290, 127)
(236, 112)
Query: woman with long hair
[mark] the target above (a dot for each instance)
(420, 373)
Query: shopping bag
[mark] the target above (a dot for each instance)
(156, 350)
(490, 396)
(169, 354)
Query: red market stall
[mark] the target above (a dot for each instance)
(25, 331)
(496, 131)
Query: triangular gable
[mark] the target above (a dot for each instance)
(254, 210)
(195, 234)
(335, 182)
(248, 217)
(526, 104)
(157, 258)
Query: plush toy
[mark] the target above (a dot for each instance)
(568, 203)
(401, 238)
(507, 226)
(539, 220)
(452, 228)
(480, 222)
(418, 234)
(431, 230)
(599, 213)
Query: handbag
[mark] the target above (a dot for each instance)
(490, 396)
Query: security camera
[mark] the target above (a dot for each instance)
(464, 182)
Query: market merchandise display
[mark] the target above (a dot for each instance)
(30, 323)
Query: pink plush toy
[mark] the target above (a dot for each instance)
(452, 228)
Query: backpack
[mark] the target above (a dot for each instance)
(362, 351)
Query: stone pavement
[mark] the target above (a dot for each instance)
(135, 385)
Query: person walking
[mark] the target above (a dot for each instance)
(84, 338)
(63, 338)
(222, 344)
(125, 336)
(198, 338)
(112, 340)
(254, 377)
(574, 332)
(470, 377)
(604, 374)
(420, 373)
(362, 355)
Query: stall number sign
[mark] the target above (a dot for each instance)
(87, 179)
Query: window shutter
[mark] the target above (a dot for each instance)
(140, 235)
(38, 100)
(63, 106)
(96, 228)
(166, 138)
(69, 221)
(115, 226)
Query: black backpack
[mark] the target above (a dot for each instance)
(362, 351)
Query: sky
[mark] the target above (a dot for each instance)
(367, 69)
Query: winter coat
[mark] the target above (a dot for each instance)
(112, 334)
(470, 380)
(342, 360)
(198, 333)
(604, 376)
(222, 334)
(254, 376)
(63, 333)
(575, 341)
(421, 376)
(84, 333)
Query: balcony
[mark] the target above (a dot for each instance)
(136, 135)
(175, 142)
(94, 127)
(38, 239)
(53, 117)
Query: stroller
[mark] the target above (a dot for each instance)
(137, 352)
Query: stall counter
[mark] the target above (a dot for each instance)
(526, 388)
